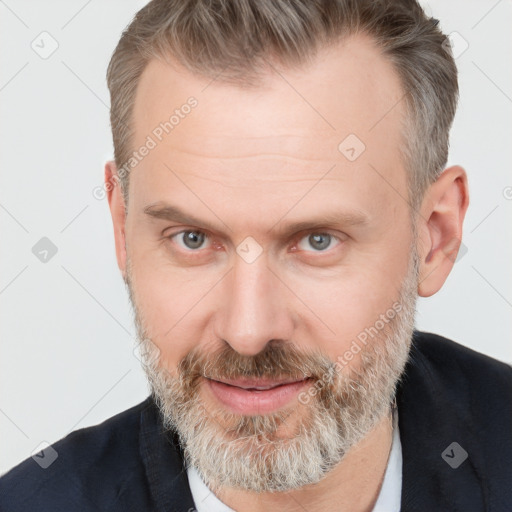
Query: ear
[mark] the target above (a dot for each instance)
(440, 228)
(118, 212)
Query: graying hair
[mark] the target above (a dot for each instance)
(231, 40)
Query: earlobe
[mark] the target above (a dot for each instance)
(440, 228)
(118, 213)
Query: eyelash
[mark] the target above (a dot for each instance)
(192, 251)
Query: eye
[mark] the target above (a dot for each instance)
(190, 240)
(318, 241)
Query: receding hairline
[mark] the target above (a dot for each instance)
(277, 72)
(359, 40)
(236, 33)
(255, 77)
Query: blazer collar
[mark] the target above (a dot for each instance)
(430, 421)
(163, 460)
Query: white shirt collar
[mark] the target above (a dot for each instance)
(391, 490)
(388, 500)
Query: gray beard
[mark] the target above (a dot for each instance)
(251, 453)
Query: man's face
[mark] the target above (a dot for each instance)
(295, 250)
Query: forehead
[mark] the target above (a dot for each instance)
(348, 85)
(286, 130)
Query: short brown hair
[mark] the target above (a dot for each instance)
(230, 39)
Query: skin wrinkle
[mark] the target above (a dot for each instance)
(295, 151)
(249, 183)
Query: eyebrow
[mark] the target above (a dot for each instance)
(172, 213)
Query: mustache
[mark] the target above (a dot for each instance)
(276, 361)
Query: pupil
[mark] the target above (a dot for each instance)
(320, 241)
(193, 239)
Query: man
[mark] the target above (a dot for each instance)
(279, 199)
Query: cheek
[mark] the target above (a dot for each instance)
(348, 303)
(172, 303)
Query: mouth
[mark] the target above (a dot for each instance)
(258, 384)
(256, 396)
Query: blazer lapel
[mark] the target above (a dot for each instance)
(163, 461)
(435, 434)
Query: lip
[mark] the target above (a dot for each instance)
(247, 383)
(241, 396)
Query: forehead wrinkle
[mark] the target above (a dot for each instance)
(229, 147)
(259, 168)
(262, 156)
(239, 179)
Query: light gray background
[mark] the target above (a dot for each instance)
(67, 343)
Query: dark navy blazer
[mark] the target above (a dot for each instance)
(448, 394)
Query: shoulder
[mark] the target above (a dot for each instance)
(460, 387)
(455, 420)
(457, 366)
(92, 468)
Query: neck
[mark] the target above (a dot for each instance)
(353, 485)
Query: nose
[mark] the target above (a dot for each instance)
(253, 308)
